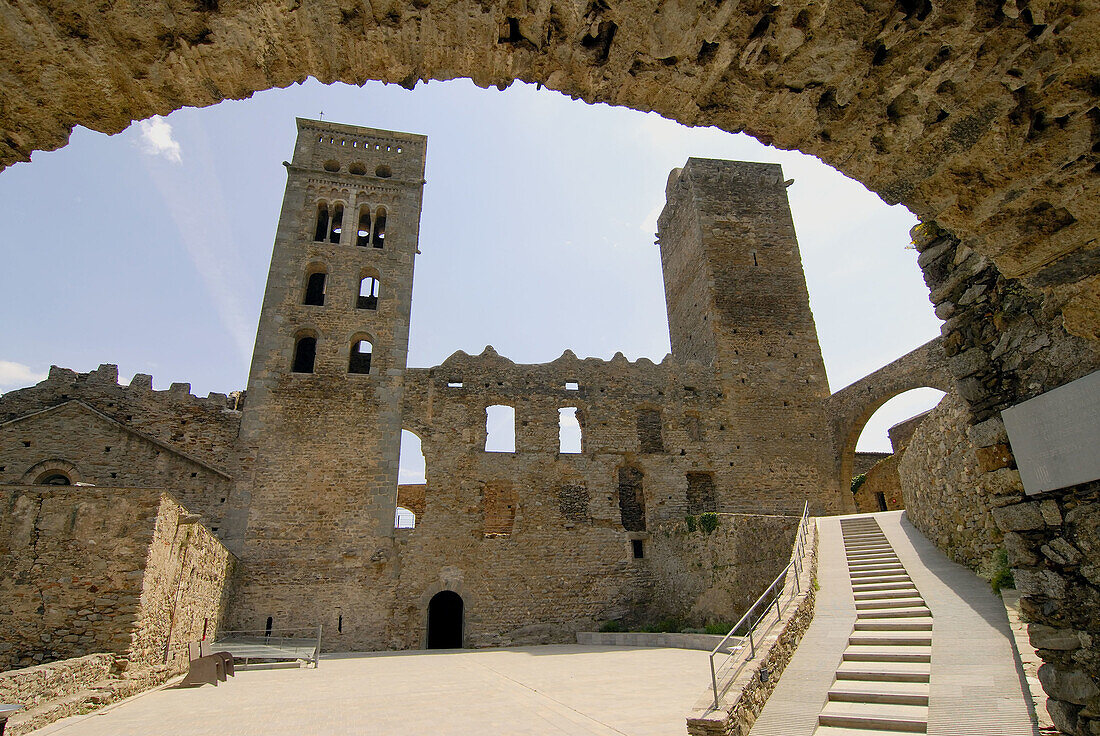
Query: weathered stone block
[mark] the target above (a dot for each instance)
(1040, 582)
(1063, 715)
(1073, 686)
(1048, 637)
(1019, 517)
(994, 457)
(1060, 551)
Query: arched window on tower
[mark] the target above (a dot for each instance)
(368, 293)
(337, 225)
(362, 235)
(380, 227)
(315, 289)
(322, 222)
(305, 354)
(359, 360)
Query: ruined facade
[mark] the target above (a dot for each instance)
(298, 477)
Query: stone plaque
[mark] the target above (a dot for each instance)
(1056, 436)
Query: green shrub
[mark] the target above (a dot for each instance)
(708, 521)
(718, 629)
(858, 481)
(668, 626)
(611, 627)
(690, 521)
(1002, 574)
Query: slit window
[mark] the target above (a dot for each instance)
(315, 290)
(337, 224)
(368, 293)
(305, 354)
(380, 227)
(500, 428)
(362, 235)
(322, 222)
(569, 431)
(359, 360)
(637, 547)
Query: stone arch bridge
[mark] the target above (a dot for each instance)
(849, 408)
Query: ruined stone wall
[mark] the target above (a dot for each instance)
(881, 478)
(203, 428)
(78, 566)
(946, 494)
(72, 564)
(864, 461)
(184, 589)
(702, 576)
(1005, 345)
(95, 431)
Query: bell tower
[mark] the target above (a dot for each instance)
(322, 418)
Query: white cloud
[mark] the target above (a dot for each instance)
(17, 375)
(157, 140)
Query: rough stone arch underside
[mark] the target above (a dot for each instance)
(980, 116)
(850, 408)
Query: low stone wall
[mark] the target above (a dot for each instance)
(705, 642)
(747, 694)
(33, 686)
(950, 487)
(705, 577)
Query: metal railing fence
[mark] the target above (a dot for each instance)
(757, 612)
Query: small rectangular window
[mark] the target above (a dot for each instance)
(454, 384)
(500, 428)
(572, 386)
(638, 548)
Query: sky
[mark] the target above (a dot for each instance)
(149, 249)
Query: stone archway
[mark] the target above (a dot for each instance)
(980, 116)
(850, 408)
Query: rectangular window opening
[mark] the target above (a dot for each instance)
(638, 548)
(569, 431)
(572, 386)
(454, 384)
(500, 428)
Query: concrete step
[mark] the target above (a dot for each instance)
(877, 595)
(892, 585)
(909, 602)
(860, 554)
(867, 559)
(851, 544)
(881, 580)
(882, 716)
(883, 671)
(865, 537)
(894, 612)
(871, 691)
(887, 654)
(841, 731)
(891, 639)
(858, 576)
(865, 565)
(914, 623)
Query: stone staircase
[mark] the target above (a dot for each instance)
(881, 685)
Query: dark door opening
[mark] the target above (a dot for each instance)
(445, 621)
(881, 498)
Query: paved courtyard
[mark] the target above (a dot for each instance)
(525, 690)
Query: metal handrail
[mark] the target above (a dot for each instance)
(798, 552)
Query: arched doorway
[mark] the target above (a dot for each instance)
(445, 611)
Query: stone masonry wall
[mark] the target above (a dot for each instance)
(712, 577)
(882, 478)
(82, 569)
(1006, 344)
(184, 589)
(946, 494)
(96, 431)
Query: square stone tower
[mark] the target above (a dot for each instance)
(737, 301)
(322, 418)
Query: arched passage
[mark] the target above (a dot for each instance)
(445, 620)
(964, 113)
(850, 408)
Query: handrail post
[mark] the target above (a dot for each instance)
(317, 651)
(713, 681)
